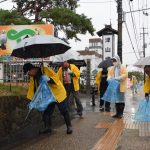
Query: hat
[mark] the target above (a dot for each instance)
(113, 59)
(27, 67)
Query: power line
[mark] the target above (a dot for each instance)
(129, 53)
(139, 14)
(134, 26)
(130, 40)
(136, 31)
(137, 10)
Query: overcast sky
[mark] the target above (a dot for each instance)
(101, 12)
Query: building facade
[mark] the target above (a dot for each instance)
(96, 44)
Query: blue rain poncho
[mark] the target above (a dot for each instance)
(113, 93)
(143, 112)
(43, 95)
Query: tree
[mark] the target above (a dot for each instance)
(12, 17)
(139, 75)
(61, 13)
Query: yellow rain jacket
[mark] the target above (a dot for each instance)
(74, 70)
(134, 81)
(58, 89)
(98, 80)
(147, 85)
(123, 77)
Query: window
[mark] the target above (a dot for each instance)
(107, 39)
(107, 49)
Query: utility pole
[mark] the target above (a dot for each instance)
(88, 81)
(143, 33)
(144, 46)
(120, 12)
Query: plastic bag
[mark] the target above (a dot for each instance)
(42, 97)
(112, 93)
(143, 112)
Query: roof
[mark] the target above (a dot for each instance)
(95, 40)
(87, 52)
(107, 31)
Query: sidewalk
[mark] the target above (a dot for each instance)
(98, 131)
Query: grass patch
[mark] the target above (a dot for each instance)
(7, 90)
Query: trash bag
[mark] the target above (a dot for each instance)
(143, 112)
(112, 93)
(42, 97)
(138, 86)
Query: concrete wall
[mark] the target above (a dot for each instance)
(1, 72)
(13, 129)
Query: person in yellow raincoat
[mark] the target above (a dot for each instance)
(134, 83)
(147, 82)
(69, 75)
(119, 72)
(57, 89)
(102, 84)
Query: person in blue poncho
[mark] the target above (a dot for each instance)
(147, 82)
(58, 90)
(143, 111)
(119, 73)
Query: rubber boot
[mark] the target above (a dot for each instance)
(47, 125)
(117, 111)
(121, 110)
(68, 122)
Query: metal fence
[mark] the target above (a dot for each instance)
(12, 72)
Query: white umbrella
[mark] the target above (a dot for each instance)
(143, 62)
(70, 54)
(40, 46)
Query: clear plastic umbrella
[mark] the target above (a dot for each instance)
(143, 62)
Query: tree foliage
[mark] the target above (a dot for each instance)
(12, 17)
(61, 13)
(139, 75)
(68, 21)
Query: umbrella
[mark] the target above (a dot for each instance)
(78, 63)
(143, 62)
(105, 63)
(40, 46)
(70, 54)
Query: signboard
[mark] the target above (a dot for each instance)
(107, 46)
(12, 35)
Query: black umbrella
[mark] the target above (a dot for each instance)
(40, 46)
(105, 63)
(78, 63)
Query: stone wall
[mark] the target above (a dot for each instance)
(13, 129)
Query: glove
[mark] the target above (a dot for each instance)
(73, 75)
(51, 81)
(146, 96)
(108, 80)
(117, 78)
